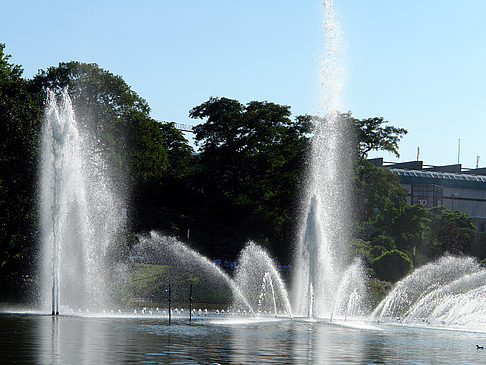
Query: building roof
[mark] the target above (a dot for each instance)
(417, 177)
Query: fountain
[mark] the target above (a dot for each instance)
(158, 249)
(267, 283)
(258, 277)
(450, 292)
(321, 257)
(79, 213)
(80, 218)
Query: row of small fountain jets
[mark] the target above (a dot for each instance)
(179, 312)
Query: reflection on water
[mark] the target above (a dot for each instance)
(37, 339)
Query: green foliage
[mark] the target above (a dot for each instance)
(374, 136)
(252, 157)
(385, 214)
(148, 153)
(362, 248)
(450, 231)
(96, 91)
(384, 211)
(378, 290)
(20, 115)
(410, 227)
(116, 117)
(381, 244)
(9, 73)
(478, 245)
(162, 195)
(392, 265)
(180, 153)
(381, 199)
(143, 156)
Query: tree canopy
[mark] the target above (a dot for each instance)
(375, 136)
(116, 117)
(20, 116)
(141, 152)
(252, 157)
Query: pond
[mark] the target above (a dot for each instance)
(43, 339)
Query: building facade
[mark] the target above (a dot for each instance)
(452, 186)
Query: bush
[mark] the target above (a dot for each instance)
(384, 241)
(392, 265)
(378, 290)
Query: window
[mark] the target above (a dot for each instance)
(427, 195)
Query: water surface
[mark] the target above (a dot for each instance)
(39, 339)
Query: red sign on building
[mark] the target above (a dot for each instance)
(424, 201)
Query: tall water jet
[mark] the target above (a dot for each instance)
(325, 220)
(79, 214)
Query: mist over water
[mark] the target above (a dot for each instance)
(79, 213)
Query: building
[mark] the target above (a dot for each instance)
(451, 185)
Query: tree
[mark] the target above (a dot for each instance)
(410, 228)
(147, 151)
(392, 265)
(374, 136)
(143, 157)
(117, 119)
(381, 200)
(252, 156)
(385, 220)
(164, 200)
(20, 116)
(450, 231)
(180, 153)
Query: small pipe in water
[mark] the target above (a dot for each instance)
(190, 302)
(53, 296)
(57, 296)
(53, 278)
(169, 305)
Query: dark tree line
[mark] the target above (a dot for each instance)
(242, 185)
(20, 115)
(252, 157)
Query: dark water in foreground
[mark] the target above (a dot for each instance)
(39, 339)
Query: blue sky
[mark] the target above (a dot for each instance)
(418, 63)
